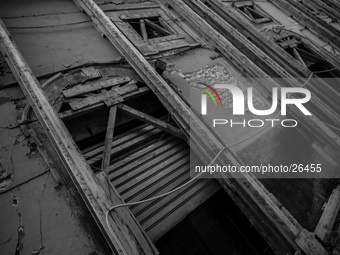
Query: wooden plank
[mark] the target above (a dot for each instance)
(264, 65)
(91, 73)
(152, 120)
(119, 147)
(329, 215)
(320, 89)
(127, 236)
(139, 15)
(143, 30)
(82, 89)
(323, 30)
(111, 94)
(124, 139)
(175, 203)
(176, 177)
(167, 38)
(51, 80)
(108, 138)
(253, 195)
(267, 46)
(137, 194)
(70, 114)
(118, 167)
(156, 27)
(190, 203)
(141, 180)
(179, 175)
(297, 56)
(332, 12)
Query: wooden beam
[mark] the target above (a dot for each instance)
(323, 30)
(297, 56)
(156, 27)
(240, 24)
(128, 237)
(312, 123)
(329, 215)
(332, 12)
(143, 30)
(82, 89)
(206, 144)
(262, 67)
(70, 114)
(113, 93)
(108, 138)
(152, 120)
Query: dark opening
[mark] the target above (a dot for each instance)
(153, 27)
(253, 13)
(135, 23)
(217, 227)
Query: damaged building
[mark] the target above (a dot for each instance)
(106, 112)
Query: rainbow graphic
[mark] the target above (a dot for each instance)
(209, 93)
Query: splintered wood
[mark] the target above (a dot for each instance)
(82, 89)
(112, 94)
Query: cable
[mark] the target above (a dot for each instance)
(156, 197)
(191, 180)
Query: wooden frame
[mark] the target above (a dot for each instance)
(128, 237)
(248, 12)
(178, 38)
(205, 142)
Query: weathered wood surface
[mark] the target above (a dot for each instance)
(329, 215)
(128, 238)
(91, 73)
(265, 64)
(69, 114)
(108, 138)
(151, 120)
(82, 89)
(206, 144)
(300, 13)
(320, 5)
(113, 93)
(311, 123)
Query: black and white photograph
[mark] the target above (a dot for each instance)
(169, 127)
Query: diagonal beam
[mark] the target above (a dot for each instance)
(143, 30)
(127, 237)
(329, 215)
(156, 27)
(109, 137)
(151, 120)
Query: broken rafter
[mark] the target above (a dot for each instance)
(82, 89)
(108, 138)
(70, 114)
(113, 93)
(143, 30)
(156, 27)
(328, 217)
(298, 57)
(151, 120)
(305, 18)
